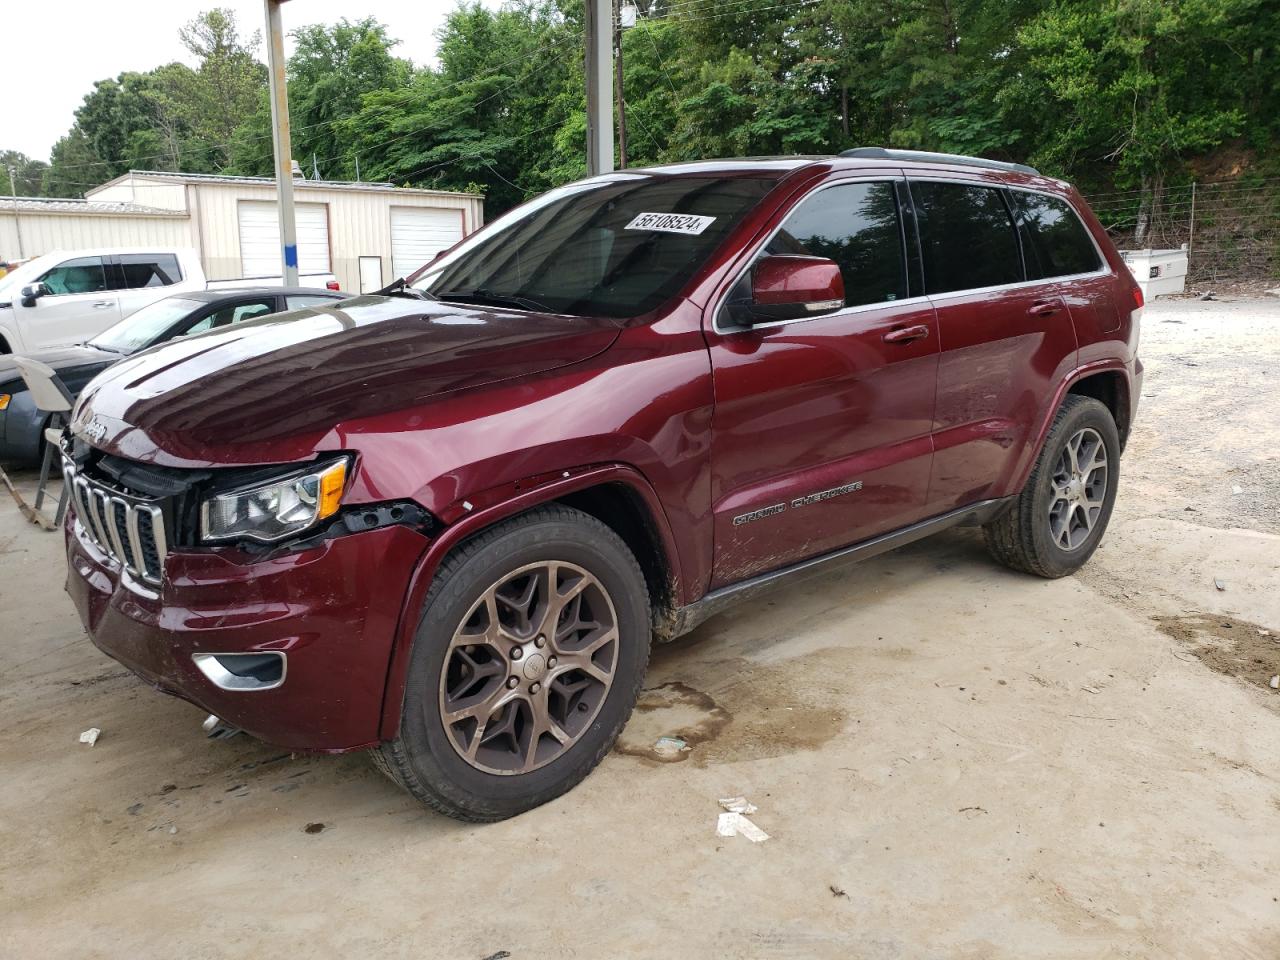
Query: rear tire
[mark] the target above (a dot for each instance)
(1057, 521)
(527, 661)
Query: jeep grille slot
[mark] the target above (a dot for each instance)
(128, 529)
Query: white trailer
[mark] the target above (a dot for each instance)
(1158, 271)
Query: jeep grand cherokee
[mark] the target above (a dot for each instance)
(444, 523)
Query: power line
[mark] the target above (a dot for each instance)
(652, 139)
(661, 63)
(477, 153)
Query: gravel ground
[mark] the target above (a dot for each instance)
(951, 760)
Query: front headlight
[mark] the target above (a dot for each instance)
(276, 509)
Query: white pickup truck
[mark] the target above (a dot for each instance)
(69, 296)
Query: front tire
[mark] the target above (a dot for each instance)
(1057, 521)
(527, 661)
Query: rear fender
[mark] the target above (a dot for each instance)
(1033, 450)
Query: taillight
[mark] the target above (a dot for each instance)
(333, 285)
(1138, 301)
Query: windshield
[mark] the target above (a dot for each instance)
(614, 249)
(143, 328)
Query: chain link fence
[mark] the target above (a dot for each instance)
(1231, 228)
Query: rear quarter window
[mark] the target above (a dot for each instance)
(1054, 241)
(149, 270)
(966, 236)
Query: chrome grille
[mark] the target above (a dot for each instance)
(128, 529)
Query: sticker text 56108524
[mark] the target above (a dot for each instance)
(671, 222)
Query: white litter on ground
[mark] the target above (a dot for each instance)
(668, 747)
(734, 821)
(90, 736)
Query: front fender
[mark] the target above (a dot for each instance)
(489, 508)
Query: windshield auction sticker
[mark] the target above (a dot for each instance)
(671, 223)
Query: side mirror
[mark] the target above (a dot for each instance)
(33, 292)
(788, 287)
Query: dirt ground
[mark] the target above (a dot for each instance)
(951, 760)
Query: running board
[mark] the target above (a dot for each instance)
(696, 613)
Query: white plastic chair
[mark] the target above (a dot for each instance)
(50, 395)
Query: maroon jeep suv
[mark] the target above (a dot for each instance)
(443, 523)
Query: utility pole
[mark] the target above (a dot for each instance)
(17, 220)
(283, 147)
(622, 103)
(599, 87)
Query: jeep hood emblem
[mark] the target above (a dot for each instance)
(94, 430)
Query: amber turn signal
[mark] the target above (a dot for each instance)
(332, 482)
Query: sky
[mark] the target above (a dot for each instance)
(46, 74)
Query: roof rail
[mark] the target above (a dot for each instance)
(921, 156)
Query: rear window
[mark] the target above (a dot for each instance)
(615, 249)
(1054, 241)
(966, 236)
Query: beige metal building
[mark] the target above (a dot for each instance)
(366, 234)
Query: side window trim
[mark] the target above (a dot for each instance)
(896, 177)
(910, 239)
(1015, 220)
(115, 274)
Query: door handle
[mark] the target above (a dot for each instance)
(907, 334)
(1045, 308)
(101, 304)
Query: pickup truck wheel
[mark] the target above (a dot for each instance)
(526, 664)
(1058, 519)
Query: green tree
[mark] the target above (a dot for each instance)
(28, 174)
(508, 81)
(226, 86)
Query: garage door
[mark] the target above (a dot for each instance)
(418, 234)
(260, 238)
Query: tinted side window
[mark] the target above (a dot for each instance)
(1054, 240)
(81, 275)
(149, 270)
(234, 313)
(856, 225)
(302, 300)
(966, 236)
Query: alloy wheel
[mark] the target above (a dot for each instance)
(529, 667)
(1078, 489)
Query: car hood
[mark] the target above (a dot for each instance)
(59, 358)
(272, 390)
